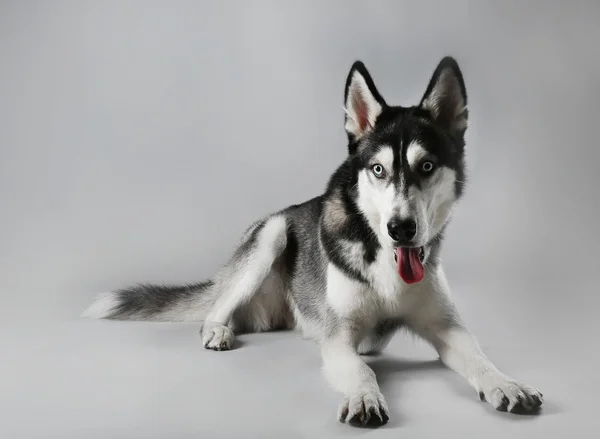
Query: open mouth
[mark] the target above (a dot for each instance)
(410, 263)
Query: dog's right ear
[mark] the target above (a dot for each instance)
(362, 102)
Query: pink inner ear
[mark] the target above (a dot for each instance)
(362, 111)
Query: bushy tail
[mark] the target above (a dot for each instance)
(153, 302)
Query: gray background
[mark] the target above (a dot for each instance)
(138, 140)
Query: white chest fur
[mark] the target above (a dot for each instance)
(381, 297)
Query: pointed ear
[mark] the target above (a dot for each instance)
(362, 102)
(446, 97)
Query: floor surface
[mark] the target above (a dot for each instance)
(71, 378)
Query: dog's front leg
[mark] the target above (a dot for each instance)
(438, 321)
(348, 373)
(459, 350)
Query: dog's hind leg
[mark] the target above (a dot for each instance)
(240, 280)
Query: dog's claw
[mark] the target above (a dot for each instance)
(512, 396)
(369, 409)
(503, 404)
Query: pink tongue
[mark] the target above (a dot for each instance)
(410, 268)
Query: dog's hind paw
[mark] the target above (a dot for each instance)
(217, 337)
(364, 409)
(507, 395)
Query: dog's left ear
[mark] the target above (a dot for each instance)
(446, 97)
(362, 102)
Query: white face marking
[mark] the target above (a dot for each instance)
(377, 198)
(414, 154)
(385, 157)
(441, 199)
(430, 205)
(433, 203)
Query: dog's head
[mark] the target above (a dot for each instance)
(409, 161)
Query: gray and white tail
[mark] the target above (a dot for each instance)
(153, 302)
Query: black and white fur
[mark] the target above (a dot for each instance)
(327, 266)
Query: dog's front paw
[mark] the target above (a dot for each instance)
(509, 395)
(365, 408)
(217, 337)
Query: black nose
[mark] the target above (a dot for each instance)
(402, 230)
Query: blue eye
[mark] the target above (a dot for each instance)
(426, 167)
(378, 170)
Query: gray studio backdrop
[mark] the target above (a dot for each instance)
(139, 138)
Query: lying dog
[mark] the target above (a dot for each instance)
(352, 266)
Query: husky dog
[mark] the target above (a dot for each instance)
(352, 266)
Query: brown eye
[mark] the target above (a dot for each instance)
(378, 170)
(427, 167)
